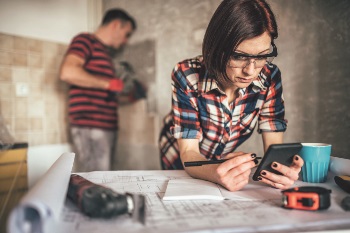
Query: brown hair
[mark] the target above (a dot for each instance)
(233, 22)
(120, 14)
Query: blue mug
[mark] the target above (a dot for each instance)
(316, 158)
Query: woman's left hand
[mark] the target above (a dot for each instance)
(288, 177)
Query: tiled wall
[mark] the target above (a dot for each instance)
(39, 117)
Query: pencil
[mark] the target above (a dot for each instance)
(200, 163)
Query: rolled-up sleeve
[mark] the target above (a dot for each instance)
(184, 107)
(271, 118)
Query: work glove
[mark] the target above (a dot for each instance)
(115, 86)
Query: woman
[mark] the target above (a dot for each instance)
(219, 97)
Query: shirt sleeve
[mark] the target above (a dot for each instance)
(80, 46)
(271, 118)
(184, 106)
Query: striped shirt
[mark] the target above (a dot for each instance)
(200, 109)
(93, 108)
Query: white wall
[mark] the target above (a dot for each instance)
(50, 20)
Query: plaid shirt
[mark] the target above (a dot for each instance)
(200, 108)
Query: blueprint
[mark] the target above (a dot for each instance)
(257, 208)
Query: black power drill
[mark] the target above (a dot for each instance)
(97, 201)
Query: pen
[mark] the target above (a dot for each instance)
(200, 163)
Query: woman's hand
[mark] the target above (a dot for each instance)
(288, 177)
(234, 173)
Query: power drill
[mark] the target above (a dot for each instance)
(97, 201)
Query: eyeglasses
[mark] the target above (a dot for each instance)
(241, 60)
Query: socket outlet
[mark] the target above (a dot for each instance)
(22, 89)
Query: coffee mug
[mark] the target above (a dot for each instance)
(316, 158)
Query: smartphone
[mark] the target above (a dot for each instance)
(281, 153)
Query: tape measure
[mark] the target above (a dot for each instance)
(306, 198)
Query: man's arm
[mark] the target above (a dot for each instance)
(72, 72)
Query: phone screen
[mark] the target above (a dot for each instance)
(281, 153)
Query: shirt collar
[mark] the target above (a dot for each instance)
(259, 83)
(209, 83)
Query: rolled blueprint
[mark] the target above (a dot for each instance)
(340, 166)
(43, 203)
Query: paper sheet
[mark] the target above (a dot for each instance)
(192, 189)
(256, 208)
(42, 205)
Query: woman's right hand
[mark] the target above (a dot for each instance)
(233, 174)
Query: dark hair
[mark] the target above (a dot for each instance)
(120, 14)
(233, 22)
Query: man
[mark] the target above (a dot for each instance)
(93, 99)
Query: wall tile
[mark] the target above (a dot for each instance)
(20, 44)
(6, 107)
(64, 137)
(5, 73)
(36, 90)
(62, 49)
(51, 109)
(52, 124)
(50, 78)
(52, 63)
(51, 94)
(35, 45)
(35, 139)
(19, 74)
(19, 59)
(6, 89)
(21, 125)
(36, 107)
(6, 42)
(52, 138)
(35, 60)
(21, 108)
(5, 58)
(50, 48)
(36, 124)
(37, 75)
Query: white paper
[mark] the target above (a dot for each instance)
(192, 189)
(43, 203)
(260, 211)
(256, 208)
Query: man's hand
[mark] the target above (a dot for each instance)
(288, 177)
(234, 173)
(116, 85)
